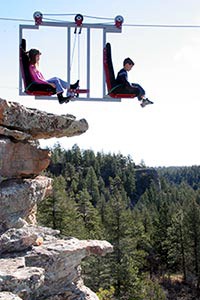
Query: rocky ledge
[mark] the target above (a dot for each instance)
(29, 123)
(20, 128)
(35, 264)
(45, 270)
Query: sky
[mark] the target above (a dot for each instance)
(167, 66)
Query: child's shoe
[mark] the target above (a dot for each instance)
(145, 101)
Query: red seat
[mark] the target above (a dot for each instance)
(114, 90)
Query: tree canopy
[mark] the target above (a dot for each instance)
(151, 217)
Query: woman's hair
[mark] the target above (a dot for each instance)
(128, 61)
(32, 55)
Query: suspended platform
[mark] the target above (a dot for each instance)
(76, 27)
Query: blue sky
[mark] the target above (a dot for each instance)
(167, 65)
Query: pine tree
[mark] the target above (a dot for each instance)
(177, 244)
(129, 181)
(72, 223)
(71, 178)
(91, 184)
(118, 224)
(59, 211)
(76, 156)
(192, 222)
(50, 211)
(57, 154)
(89, 215)
(90, 160)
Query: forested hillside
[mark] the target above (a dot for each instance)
(177, 175)
(151, 217)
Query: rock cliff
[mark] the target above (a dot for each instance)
(144, 177)
(35, 263)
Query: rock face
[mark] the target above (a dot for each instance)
(35, 263)
(38, 124)
(144, 178)
(49, 271)
(19, 127)
(21, 159)
(18, 199)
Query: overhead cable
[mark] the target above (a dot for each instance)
(125, 24)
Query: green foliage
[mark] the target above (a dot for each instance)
(89, 216)
(106, 294)
(177, 175)
(50, 212)
(152, 291)
(152, 222)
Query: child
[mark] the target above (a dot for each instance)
(132, 88)
(59, 84)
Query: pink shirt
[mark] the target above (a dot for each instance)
(36, 74)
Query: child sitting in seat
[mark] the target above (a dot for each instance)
(132, 88)
(59, 84)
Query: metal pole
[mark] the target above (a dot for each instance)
(68, 53)
(104, 83)
(88, 62)
(20, 75)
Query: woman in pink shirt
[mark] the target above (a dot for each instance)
(59, 84)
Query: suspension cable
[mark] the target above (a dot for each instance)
(163, 25)
(13, 19)
(79, 56)
(124, 24)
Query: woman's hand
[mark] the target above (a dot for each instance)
(52, 84)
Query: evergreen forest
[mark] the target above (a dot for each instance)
(150, 215)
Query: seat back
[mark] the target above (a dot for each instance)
(115, 90)
(24, 64)
(108, 67)
(31, 87)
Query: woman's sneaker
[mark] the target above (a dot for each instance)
(62, 99)
(74, 86)
(145, 101)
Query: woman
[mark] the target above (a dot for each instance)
(59, 84)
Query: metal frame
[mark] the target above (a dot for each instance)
(106, 28)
